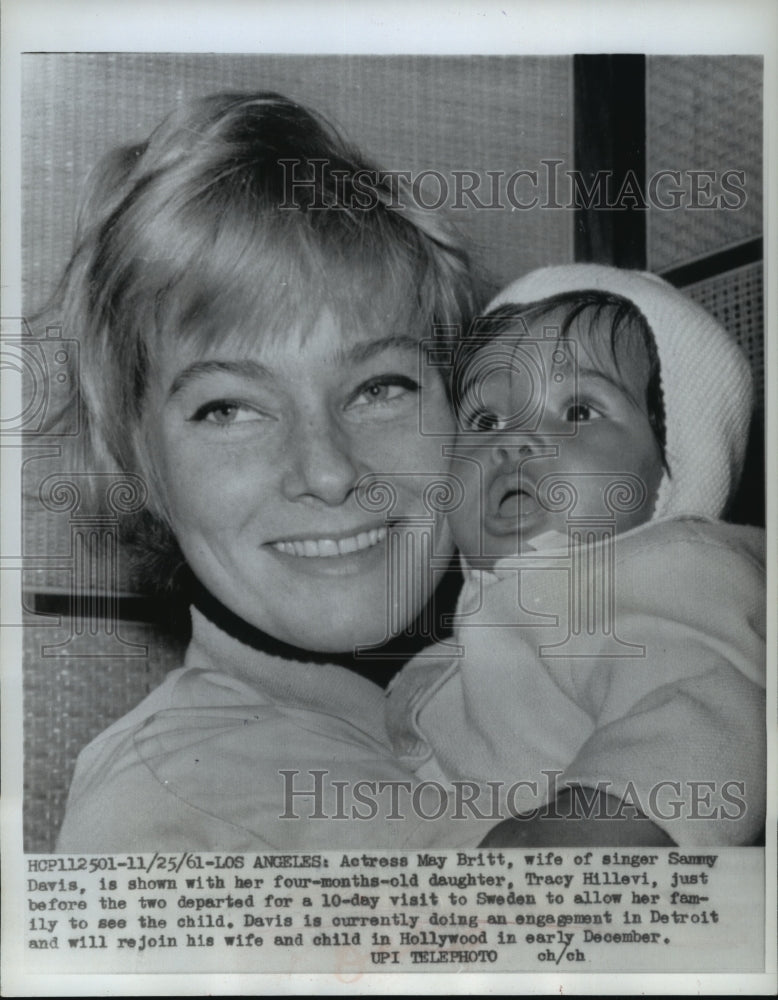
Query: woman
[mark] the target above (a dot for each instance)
(251, 302)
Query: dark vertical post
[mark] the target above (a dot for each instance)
(610, 159)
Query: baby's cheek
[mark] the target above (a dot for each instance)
(465, 519)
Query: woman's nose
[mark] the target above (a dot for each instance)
(320, 463)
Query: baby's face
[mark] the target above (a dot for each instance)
(548, 429)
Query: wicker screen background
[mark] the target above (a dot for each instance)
(405, 113)
(703, 113)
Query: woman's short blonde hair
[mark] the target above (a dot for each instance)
(241, 215)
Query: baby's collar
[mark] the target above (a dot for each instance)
(556, 541)
(547, 541)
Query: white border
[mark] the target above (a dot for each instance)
(322, 26)
(494, 27)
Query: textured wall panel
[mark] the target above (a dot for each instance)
(406, 113)
(70, 700)
(736, 299)
(703, 113)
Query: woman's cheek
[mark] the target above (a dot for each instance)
(432, 430)
(465, 518)
(203, 487)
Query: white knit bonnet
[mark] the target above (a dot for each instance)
(705, 380)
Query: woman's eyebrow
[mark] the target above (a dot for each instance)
(251, 369)
(247, 368)
(366, 350)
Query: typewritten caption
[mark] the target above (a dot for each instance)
(351, 913)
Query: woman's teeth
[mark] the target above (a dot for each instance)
(328, 547)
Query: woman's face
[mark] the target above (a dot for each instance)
(257, 452)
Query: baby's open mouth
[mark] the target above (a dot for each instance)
(516, 503)
(512, 507)
(512, 503)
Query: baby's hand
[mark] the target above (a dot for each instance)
(607, 823)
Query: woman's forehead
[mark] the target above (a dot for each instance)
(325, 338)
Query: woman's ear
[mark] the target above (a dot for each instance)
(157, 558)
(146, 465)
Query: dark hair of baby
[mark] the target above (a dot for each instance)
(587, 310)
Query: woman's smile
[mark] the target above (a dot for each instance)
(329, 547)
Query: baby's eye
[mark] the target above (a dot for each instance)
(225, 412)
(580, 413)
(482, 420)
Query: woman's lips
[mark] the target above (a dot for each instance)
(328, 548)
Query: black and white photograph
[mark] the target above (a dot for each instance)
(388, 550)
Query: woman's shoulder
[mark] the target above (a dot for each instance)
(186, 689)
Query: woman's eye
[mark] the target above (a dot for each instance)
(382, 391)
(580, 413)
(225, 412)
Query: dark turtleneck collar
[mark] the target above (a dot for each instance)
(379, 666)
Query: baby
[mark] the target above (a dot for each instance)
(608, 685)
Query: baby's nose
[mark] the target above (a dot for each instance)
(505, 450)
(515, 449)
